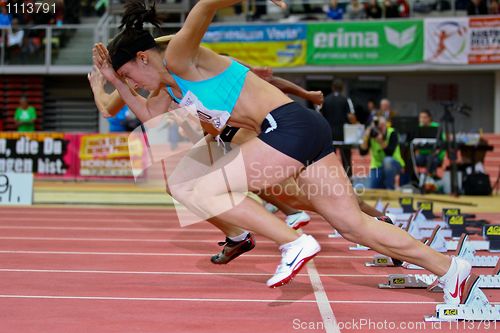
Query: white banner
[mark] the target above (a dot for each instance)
(16, 189)
(447, 41)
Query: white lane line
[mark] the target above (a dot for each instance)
(164, 299)
(107, 229)
(83, 271)
(211, 230)
(158, 254)
(171, 299)
(324, 306)
(89, 212)
(101, 219)
(127, 240)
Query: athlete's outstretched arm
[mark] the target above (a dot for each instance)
(184, 46)
(288, 87)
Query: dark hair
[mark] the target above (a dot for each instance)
(337, 85)
(427, 112)
(133, 38)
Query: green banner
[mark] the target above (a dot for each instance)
(365, 43)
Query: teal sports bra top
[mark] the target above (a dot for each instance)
(214, 97)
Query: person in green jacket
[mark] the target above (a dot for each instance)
(382, 143)
(422, 156)
(25, 116)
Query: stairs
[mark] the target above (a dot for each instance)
(78, 50)
(69, 105)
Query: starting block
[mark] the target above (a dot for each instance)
(402, 281)
(474, 307)
(467, 251)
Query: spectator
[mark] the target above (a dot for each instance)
(477, 7)
(337, 112)
(423, 156)
(25, 116)
(334, 11)
(373, 10)
(118, 122)
(386, 110)
(5, 18)
(391, 9)
(15, 42)
(373, 111)
(355, 10)
(386, 163)
(403, 8)
(494, 8)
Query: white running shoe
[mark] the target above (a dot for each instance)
(453, 286)
(294, 256)
(298, 220)
(271, 208)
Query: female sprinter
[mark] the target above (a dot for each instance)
(237, 241)
(295, 141)
(290, 202)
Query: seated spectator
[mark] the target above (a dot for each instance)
(334, 11)
(5, 19)
(118, 122)
(25, 116)
(386, 163)
(355, 10)
(477, 7)
(373, 10)
(391, 9)
(403, 8)
(424, 156)
(15, 41)
(494, 8)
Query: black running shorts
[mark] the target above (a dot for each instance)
(298, 132)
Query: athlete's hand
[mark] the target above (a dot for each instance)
(101, 60)
(315, 97)
(265, 73)
(280, 3)
(97, 82)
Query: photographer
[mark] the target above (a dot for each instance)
(383, 145)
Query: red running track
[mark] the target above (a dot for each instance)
(136, 270)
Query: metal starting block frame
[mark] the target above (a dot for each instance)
(402, 281)
(475, 307)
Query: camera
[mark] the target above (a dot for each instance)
(374, 132)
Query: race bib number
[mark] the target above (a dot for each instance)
(215, 117)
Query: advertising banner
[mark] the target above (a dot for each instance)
(44, 154)
(484, 40)
(447, 41)
(365, 43)
(106, 155)
(274, 45)
(463, 40)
